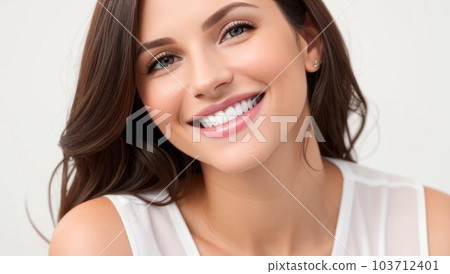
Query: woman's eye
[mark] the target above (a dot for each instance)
(163, 62)
(237, 29)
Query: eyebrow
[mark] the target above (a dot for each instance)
(209, 23)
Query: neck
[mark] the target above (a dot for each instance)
(262, 210)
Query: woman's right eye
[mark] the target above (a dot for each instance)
(163, 61)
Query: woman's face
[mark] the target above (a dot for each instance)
(240, 52)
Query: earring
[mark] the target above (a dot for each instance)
(316, 64)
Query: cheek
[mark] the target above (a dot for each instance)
(164, 95)
(167, 95)
(265, 58)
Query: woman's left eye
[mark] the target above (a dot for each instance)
(237, 28)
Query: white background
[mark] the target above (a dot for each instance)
(399, 49)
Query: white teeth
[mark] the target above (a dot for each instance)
(250, 104)
(238, 108)
(230, 113)
(210, 120)
(244, 106)
(204, 124)
(220, 118)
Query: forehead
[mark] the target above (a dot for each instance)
(158, 18)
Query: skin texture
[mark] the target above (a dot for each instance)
(236, 191)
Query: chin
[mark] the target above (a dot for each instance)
(238, 159)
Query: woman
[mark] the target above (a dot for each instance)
(279, 192)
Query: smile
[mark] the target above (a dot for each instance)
(230, 113)
(229, 119)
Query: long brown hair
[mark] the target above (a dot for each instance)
(98, 161)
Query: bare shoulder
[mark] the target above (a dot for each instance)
(88, 229)
(438, 221)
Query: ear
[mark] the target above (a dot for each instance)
(310, 38)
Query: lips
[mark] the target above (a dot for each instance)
(227, 110)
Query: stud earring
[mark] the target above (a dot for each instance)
(316, 64)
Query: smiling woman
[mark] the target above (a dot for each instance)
(277, 189)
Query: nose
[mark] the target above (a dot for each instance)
(209, 73)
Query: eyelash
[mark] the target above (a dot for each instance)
(234, 25)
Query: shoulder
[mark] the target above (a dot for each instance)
(438, 221)
(377, 177)
(88, 229)
(402, 188)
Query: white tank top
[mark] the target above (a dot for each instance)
(381, 214)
